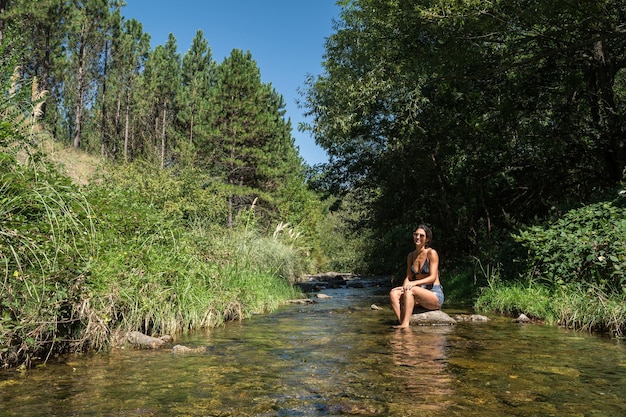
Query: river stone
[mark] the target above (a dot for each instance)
(144, 341)
(471, 318)
(432, 318)
(302, 301)
(180, 349)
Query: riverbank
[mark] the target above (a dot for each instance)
(569, 306)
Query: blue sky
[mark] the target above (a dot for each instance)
(285, 37)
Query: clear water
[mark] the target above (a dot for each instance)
(338, 357)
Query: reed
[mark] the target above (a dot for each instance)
(514, 299)
(590, 308)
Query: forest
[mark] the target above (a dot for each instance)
(499, 124)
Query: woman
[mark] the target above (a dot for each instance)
(421, 286)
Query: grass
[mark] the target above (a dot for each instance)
(80, 166)
(578, 307)
(91, 262)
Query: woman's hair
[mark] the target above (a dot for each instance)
(429, 233)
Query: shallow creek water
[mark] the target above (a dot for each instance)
(338, 357)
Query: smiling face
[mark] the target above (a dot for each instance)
(419, 237)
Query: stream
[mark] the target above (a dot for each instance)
(338, 357)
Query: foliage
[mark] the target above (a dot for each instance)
(153, 275)
(572, 305)
(586, 246)
(111, 94)
(456, 113)
(535, 301)
(86, 267)
(574, 271)
(185, 194)
(152, 245)
(46, 236)
(139, 249)
(164, 273)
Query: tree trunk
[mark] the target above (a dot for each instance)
(191, 128)
(104, 145)
(81, 88)
(80, 81)
(163, 135)
(126, 124)
(608, 120)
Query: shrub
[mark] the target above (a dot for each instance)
(586, 245)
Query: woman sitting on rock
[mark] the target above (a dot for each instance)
(421, 286)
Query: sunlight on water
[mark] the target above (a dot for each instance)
(338, 357)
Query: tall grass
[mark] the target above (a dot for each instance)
(80, 267)
(574, 306)
(46, 235)
(162, 276)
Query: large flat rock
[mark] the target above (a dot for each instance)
(432, 318)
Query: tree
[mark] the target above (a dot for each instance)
(456, 113)
(39, 30)
(250, 144)
(198, 77)
(162, 82)
(129, 51)
(87, 24)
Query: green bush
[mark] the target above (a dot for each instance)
(81, 266)
(586, 246)
(160, 273)
(575, 272)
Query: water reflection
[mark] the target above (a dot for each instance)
(419, 355)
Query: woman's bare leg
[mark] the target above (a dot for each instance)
(409, 305)
(394, 296)
(417, 296)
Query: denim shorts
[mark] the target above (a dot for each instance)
(438, 290)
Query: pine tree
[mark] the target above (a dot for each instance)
(129, 51)
(161, 83)
(251, 144)
(198, 77)
(85, 45)
(39, 29)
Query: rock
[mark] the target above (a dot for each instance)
(167, 338)
(301, 301)
(141, 340)
(180, 349)
(471, 318)
(336, 282)
(313, 286)
(432, 318)
(323, 296)
(375, 307)
(523, 318)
